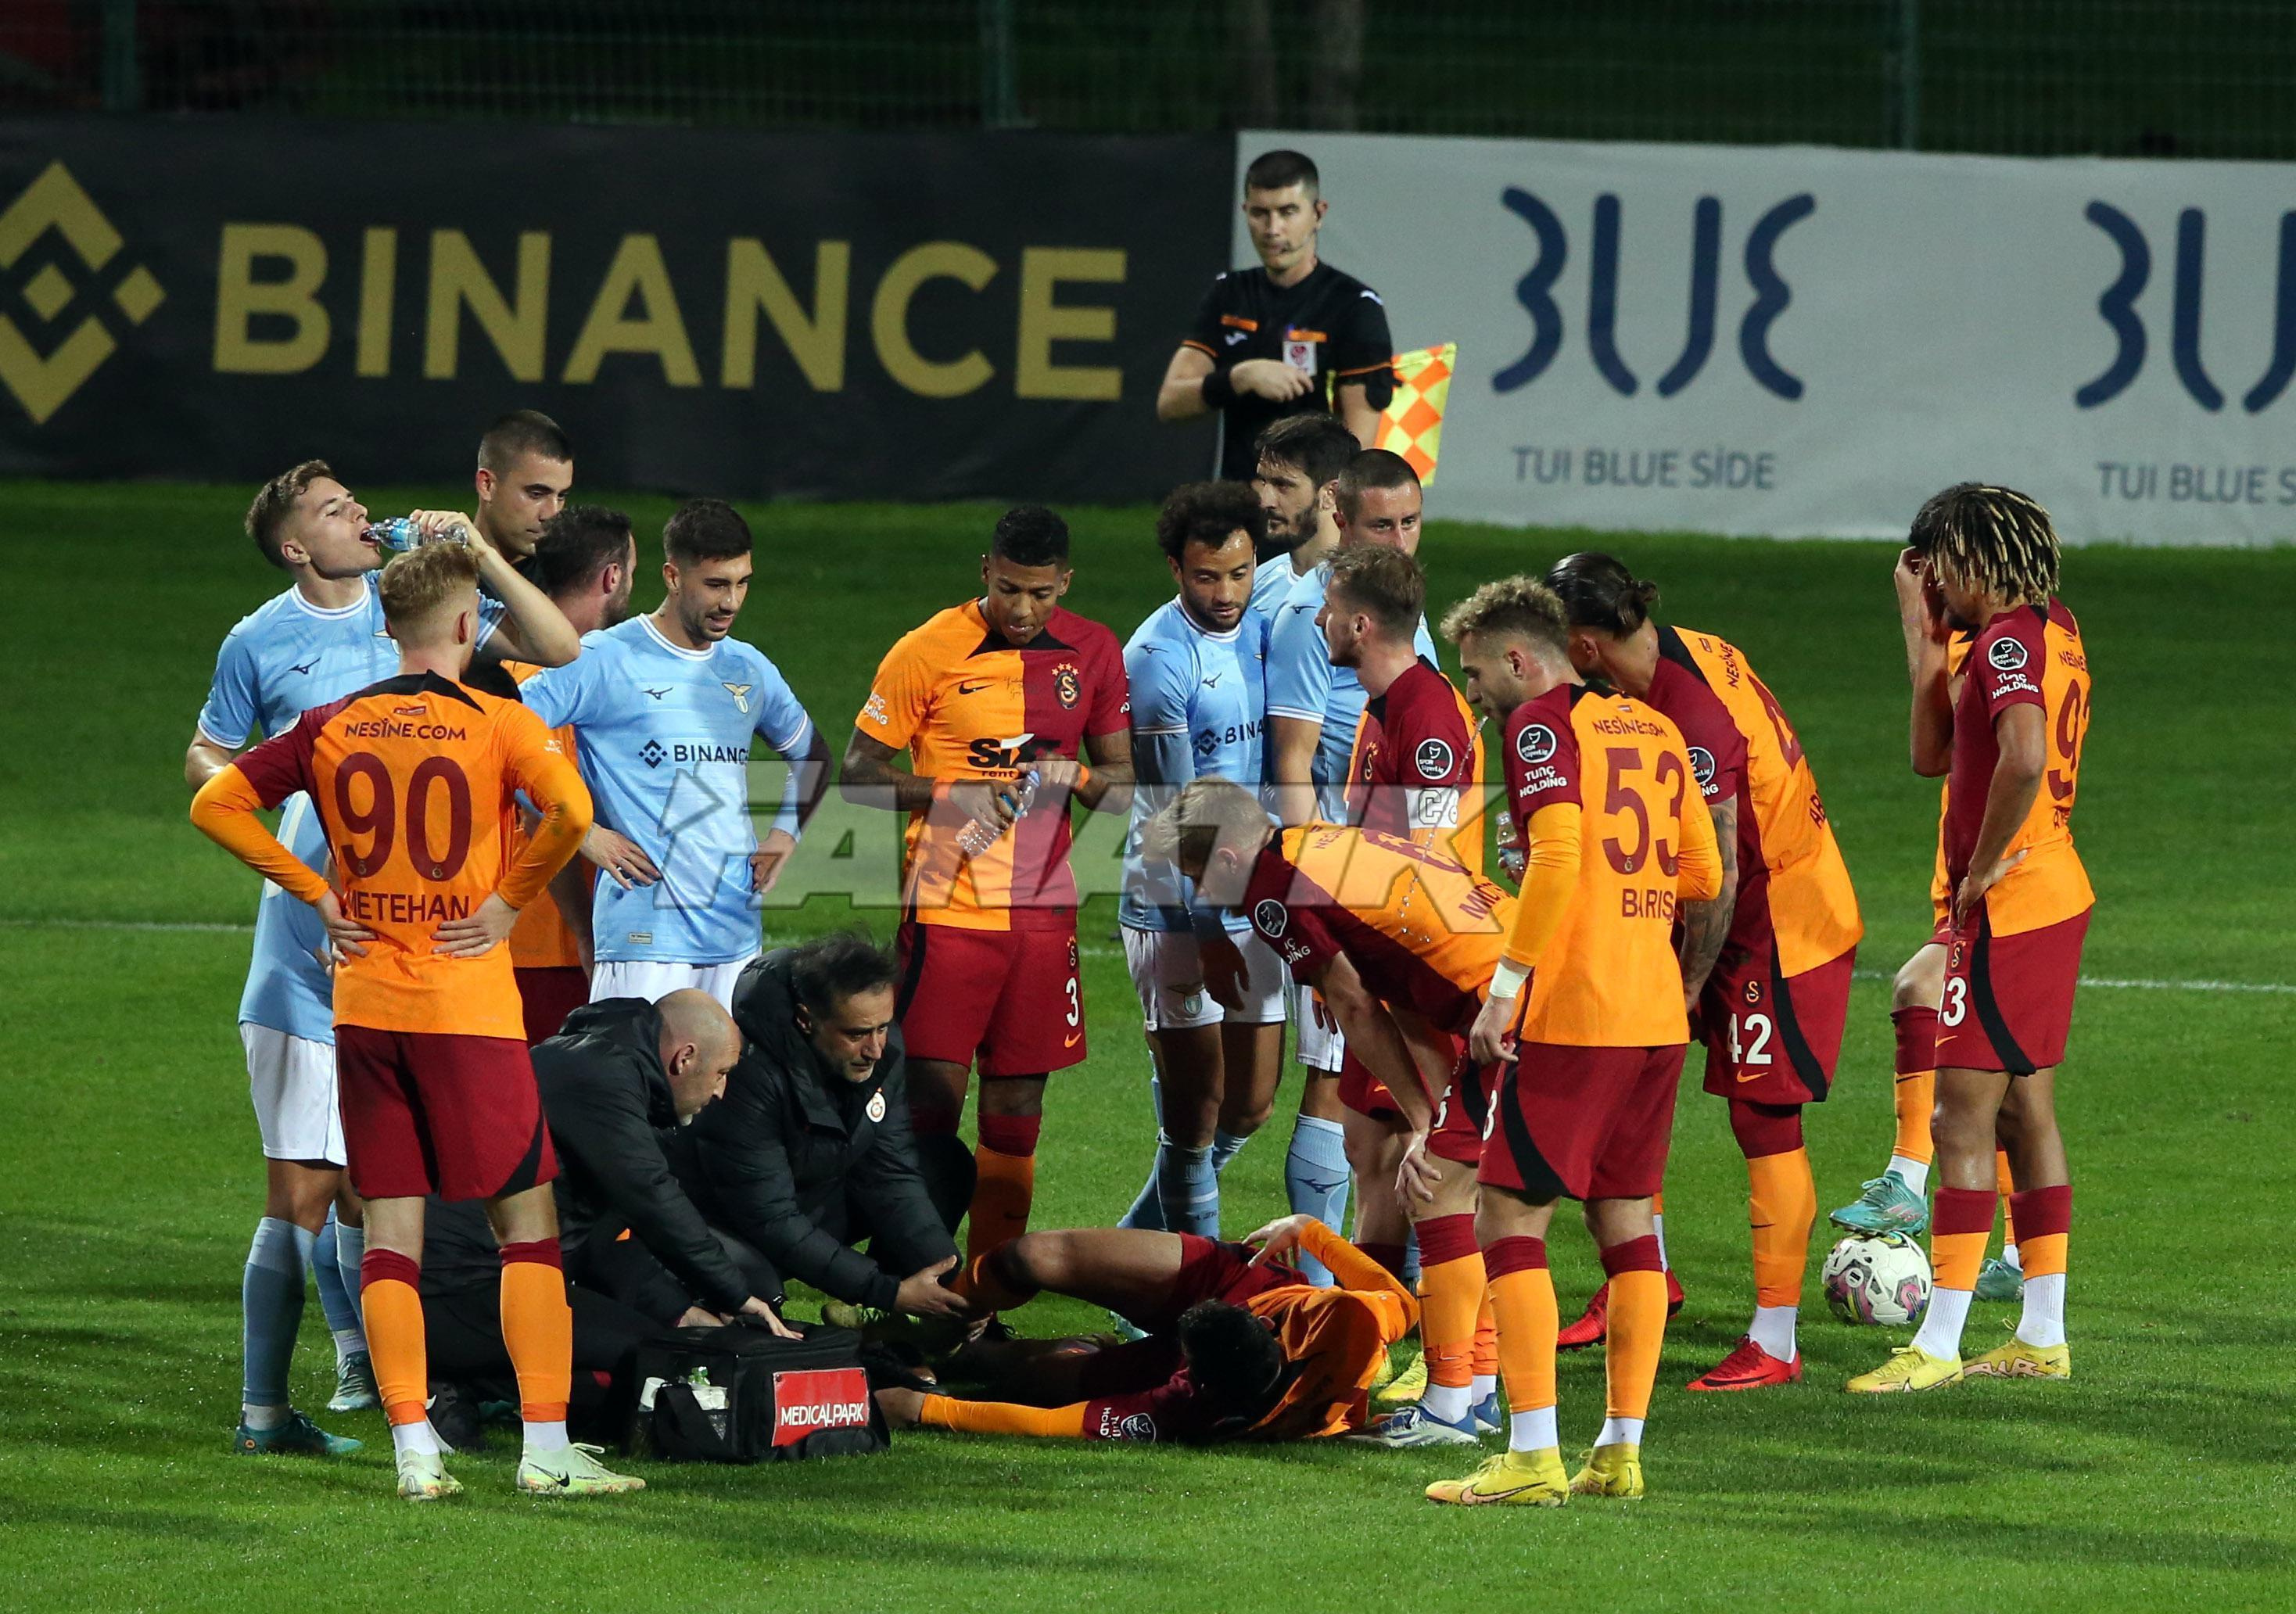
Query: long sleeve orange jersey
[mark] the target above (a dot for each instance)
(542, 938)
(1333, 1338)
(415, 780)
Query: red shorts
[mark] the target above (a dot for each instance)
(1773, 1039)
(1008, 1002)
(433, 1112)
(1591, 1123)
(548, 997)
(1458, 1134)
(2008, 1002)
(1364, 1093)
(1210, 1270)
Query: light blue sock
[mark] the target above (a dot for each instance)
(1315, 1182)
(1148, 1209)
(1189, 1188)
(334, 1299)
(1410, 1273)
(351, 1254)
(1226, 1147)
(271, 1308)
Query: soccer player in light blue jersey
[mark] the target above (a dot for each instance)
(321, 639)
(1300, 458)
(1211, 991)
(665, 708)
(1312, 712)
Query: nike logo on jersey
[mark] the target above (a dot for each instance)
(1234, 337)
(656, 693)
(307, 665)
(969, 689)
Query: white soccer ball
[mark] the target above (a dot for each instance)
(1883, 1279)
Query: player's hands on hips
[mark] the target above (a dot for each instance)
(622, 858)
(343, 935)
(1416, 1177)
(1271, 378)
(1278, 1239)
(1326, 1020)
(767, 862)
(1976, 883)
(985, 800)
(480, 933)
(903, 1408)
(1492, 1039)
(923, 1294)
(765, 1313)
(1225, 971)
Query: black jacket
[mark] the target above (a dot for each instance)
(790, 1137)
(608, 1102)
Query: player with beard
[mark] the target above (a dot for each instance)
(1300, 458)
(998, 701)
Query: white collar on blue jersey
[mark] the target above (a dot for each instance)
(675, 650)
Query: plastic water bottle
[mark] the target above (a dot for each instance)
(398, 534)
(981, 833)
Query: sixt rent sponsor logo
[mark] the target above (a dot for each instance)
(808, 1402)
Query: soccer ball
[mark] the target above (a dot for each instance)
(1883, 1279)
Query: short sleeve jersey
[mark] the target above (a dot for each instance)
(1271, 581)
(1422, 932)
(1793, 884)
(1417, 763)
(1199, 699)
(967, 705)
(2028, 656)
(1329, 325)
(1303, 683)
(416, 781)
(665, 737)
(1609, 977)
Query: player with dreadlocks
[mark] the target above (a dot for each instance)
(2011, 743)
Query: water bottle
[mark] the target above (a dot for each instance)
(981, 833)
(398, 534)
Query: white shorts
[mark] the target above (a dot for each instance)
(1167, 971)
(1321, 1047)
(645, 978)
(292, 1081)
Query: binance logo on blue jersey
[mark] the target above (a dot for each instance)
(653, 753)
(46, 366)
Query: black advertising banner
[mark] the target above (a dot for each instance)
(745, 313)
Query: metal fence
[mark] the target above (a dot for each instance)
(2152, 77)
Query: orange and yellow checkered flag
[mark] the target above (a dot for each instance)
(1412, 423)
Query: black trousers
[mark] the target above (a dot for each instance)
(946, 1165)
(463, 1329)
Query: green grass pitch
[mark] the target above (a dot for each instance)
(129, 1171)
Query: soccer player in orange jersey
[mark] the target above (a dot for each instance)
(1412, 773)
(415, 780)
(1617, 838)
(2011, 743)
(985, 697)
(1237, 1346)
(583, 563)
(1765, 969)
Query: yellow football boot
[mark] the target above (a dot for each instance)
(1403, 1388)
(1522, 1480)
(1610, 1471)
(2018, 1360)
(1909, 1368)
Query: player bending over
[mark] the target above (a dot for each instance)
(2011, 744)
(1237, 1346)
(417, 780)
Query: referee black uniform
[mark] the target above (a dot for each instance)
(1329, 325)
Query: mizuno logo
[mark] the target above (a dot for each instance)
(1213, 682)
(306, 667)
(657, 693)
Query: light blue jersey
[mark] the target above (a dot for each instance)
(663, 738)
(281, 660)
(1303, 683)
(1271, 581)
(1198, 704)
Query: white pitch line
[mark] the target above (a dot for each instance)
(1101, 950)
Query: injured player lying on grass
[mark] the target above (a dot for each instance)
(1239, 1346)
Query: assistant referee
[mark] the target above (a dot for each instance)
(1293, 335)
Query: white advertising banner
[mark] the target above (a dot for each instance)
(1790, 342)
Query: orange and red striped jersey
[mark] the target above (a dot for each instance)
(1608, 977)
(2031, 655)
(967, 705)
(415, 780)
(1417, 762)
(1423, 932)
(1791, 876)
